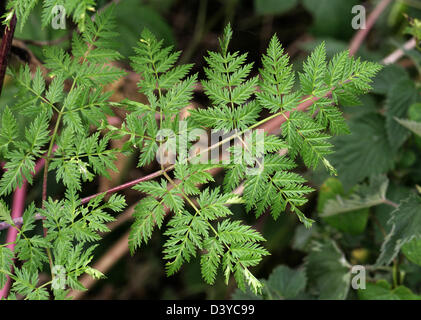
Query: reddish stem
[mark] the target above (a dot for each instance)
(359, 37)
(18, 206)
(5, 47)
(123, 186)
(17, 209)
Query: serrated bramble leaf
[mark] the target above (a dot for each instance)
(405, 223)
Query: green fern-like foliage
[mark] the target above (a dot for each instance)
(77, 9)
(236, 101)
(68, 127)
(61, 111)
(84, 104)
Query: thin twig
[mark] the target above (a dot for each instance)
(17, 210)
(125, 185)
(43, 43)
(18, 205)
(399, 53)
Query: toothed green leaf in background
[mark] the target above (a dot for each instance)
(331, 17)
(286, 283)
(399, 98)
(348, 212)
(382, 290)
(328, 270)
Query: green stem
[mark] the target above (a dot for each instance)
(395, 273)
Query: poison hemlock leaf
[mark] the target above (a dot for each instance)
(5, 213)
(148, 213)
(74, 102)
(227, 243)
(26, 285)
(22, 9)
(77, 9)
(235, 106)
(229, 90)
(9, 130)
(6, 260)
(80, 159)
(72, 231)
(72, 228)
(175, 90)
(21, 159)
(314, 71)
(85, 104)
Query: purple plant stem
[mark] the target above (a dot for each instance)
(17, 209)
(19, 220)
(122, 186)
(20, 193)
(18, 206)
